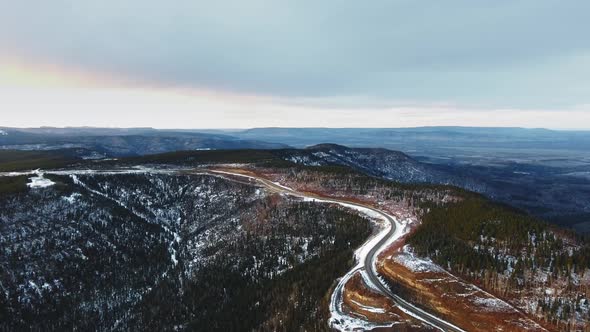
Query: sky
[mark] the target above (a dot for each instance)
(294, 63)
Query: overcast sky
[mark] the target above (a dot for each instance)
(379, 63)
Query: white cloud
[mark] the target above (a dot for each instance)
(525, 53)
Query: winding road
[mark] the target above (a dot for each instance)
(370, 258)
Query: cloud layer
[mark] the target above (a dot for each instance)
(349, 55)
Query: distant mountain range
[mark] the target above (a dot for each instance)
(113, 142)
(541, 190)
(432, 142)
(477, 146)
(406, 139)
(544, 172)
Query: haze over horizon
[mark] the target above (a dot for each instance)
(285, 127)
(294, 64)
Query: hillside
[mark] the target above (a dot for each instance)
(545, 172)
(540, 269)
(379, 162)
(105, 243)
(463, 244)
(555, 194)
(163, 252)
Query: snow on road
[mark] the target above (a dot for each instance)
(339, 319)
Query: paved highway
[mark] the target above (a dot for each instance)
(371, 258)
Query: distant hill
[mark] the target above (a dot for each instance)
(542, 171)
(111, 142)
(379, 162)
(424, 138)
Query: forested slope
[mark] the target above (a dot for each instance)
(539, 268)
(183, 251)
(168, 252)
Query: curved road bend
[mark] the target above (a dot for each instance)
(371, 257)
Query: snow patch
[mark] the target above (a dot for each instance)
(72, 198)
(39, 181)
(415, 264)
(280, 185)
(492, 304)
(368, 308)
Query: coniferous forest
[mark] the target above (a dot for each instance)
(175, 251)
(160, 252)
(511, 254)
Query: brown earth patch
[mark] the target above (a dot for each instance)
(367, 304)
(454, 300)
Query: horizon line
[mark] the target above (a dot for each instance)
(291, 127)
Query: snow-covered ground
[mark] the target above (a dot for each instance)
(414, 264)
(39, 181)
(140, 215)
(72, 198)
